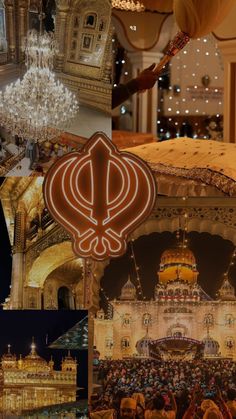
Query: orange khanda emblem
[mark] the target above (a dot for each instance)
(99, 195)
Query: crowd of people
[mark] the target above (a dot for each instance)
(152, 389)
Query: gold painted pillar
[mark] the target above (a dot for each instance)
(228, 50)
(22, 28)
(11, 33)
(17, 278)
(60, 32)
(107, 66)
(144, 104)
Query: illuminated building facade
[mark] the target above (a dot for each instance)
(180, 310)
(30, 382)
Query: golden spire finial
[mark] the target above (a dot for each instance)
(33, 347)
(8, 348)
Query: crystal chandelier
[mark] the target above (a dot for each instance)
(128, 5)
(37, 107)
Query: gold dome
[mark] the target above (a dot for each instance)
(33, 362)
(178, 254)
(178, 263)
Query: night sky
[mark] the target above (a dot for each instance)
(18, 328)
(212, 254)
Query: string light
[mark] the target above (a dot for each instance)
(205, 47)
(139, 286)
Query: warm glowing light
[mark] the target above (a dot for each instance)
(37, 107)
(128, 5)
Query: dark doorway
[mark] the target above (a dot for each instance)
(63, 297)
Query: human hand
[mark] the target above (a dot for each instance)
(147, 78)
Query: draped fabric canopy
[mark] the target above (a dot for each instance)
(198, 18)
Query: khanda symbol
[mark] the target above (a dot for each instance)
(99, 195)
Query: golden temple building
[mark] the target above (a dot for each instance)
(30, 382)
(180, 318)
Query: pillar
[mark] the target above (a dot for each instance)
(22, 29)
(91, 285)
(144, 104)
(228, 50)
(17, 278)
(11, 35)
(60, 32)
(90, 351)
(87, 304)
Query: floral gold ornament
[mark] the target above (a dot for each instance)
(99, 195)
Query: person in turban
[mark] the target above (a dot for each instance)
(158, 410)
(128, 408)
(231, 403)
(211, 410)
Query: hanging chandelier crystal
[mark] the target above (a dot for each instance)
(128, 5)
(37, 107)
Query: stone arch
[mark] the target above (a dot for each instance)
(197, 224)
(48, 260)
(158, 37)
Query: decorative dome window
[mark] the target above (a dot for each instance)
(125, 343)
(147, 319)
(229, 320)
(109, 343)
(230, 343)
(208, 320)
(126, 319)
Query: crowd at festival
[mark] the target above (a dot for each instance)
(154, 389)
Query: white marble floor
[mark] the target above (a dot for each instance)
(21, 169)
(89, 121)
